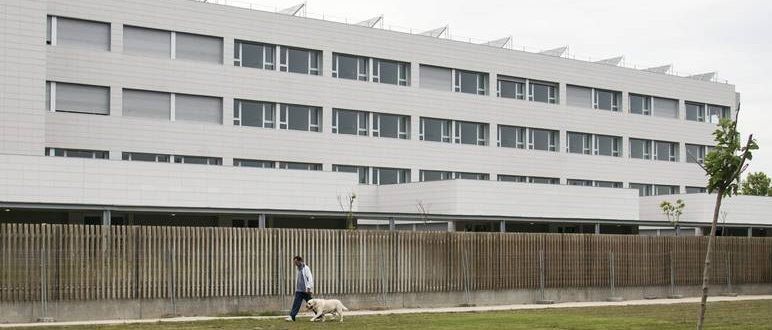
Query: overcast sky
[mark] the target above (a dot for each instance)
(731, 37)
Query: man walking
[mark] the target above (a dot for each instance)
(303, 288)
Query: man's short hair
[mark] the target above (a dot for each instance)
(298, 258)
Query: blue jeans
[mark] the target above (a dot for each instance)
(299, 297)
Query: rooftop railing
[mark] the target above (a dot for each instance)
(444, 32)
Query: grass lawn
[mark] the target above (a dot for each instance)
(721, 315)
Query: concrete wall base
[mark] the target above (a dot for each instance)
(271, 305)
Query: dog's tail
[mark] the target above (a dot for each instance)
(343, 306)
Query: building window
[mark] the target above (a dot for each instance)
(510, 87)
(607, 184)
(384, 175)
(696, 153)
(147, 42)
(298, 60)
(146, 104)
(640, 149)
(640, 104)
(77, 153)
(254, 163)
(65, 97)
(511, 137)
(667, 108)
(350, 67)
(300, 166)
(606, 99)
(543, 139)
(665, 190)
(471, 176)
(70, 32)
(580, 143)
(350, 122)
(363, 172)
(254, 55)
(643, 188)
(391, 72)
(511, 178)
(427, 175)
(197, 160)
(436, 78)
(433, 129)
(253, 113)
(543, 180)
(696, 190)
(577, 96)
(197, 108)
(391, 126)
(667, 151)
(471, 82)
(545, 92)
(145, 157)
(300, 117)
(606, 145)
(695, 112)
(716, 113)
(578, 182)
(471, 133)
(196, 47)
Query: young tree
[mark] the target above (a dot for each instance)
(756, 184)
(723, 166)
(347, 205)
(673, 212)
(422, 210)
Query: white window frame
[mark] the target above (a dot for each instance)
(551, 145)
(403, 128)
(480, 132)
(238, 56)
(520, 136)
(481, 86)
(237, 115)
(284, 59)
(614, 99)
(363, 119)
(646, 106)
(446, 131)
(157, 156)
(672, 151)
(552, 94)
(403, 174)
(403, 72)
(615, 145)
(519, 88)
(363, 64)
(284, 124)
(52, 38)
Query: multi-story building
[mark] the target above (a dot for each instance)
(182, 112)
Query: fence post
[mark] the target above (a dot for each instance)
(170, 279)
(729, 290)
(673, 294)
(612, 276)
(542, 298)
(44, 275)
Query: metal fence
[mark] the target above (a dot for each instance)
(76, 262)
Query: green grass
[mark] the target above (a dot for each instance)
(721, 315)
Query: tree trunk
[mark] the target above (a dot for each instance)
(706, 270)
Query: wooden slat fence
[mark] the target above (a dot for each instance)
(76, 262)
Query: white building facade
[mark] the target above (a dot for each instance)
(182, 112)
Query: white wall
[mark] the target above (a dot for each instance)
(472, 197)
(699, 208)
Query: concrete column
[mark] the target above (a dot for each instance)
(227, 111)
(597, 229)
(116, 37)
(227, 47)
(697, 231)
(625, 102)
(451, 226)
(682, 109)
(116, 100)
(327, 63)
(750, 231)
(414, 70)
(261, 221)
(502, 226)
(106, 216)
(326, 120)
(392, 225)
(561, 95)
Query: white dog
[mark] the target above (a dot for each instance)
(326, 306)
